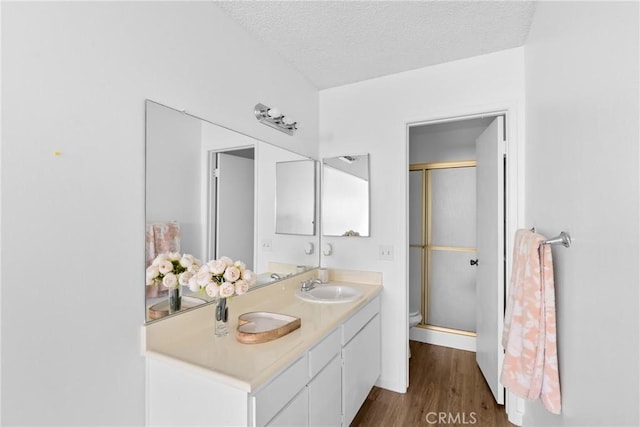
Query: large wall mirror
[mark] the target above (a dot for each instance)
(345, 196)
(211, 192)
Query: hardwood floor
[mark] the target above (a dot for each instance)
(446, 388)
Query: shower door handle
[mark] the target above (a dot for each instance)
(473, 262)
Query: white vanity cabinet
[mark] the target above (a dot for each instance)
(324, 386)
(360, 358)
(343, 368)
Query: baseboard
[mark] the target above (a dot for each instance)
(391, 386)
(446, 339)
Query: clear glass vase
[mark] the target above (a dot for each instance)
(175, 299)
(222, 318)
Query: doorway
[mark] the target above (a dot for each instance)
(442, 230)
(457, 262)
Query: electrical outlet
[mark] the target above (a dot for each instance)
(266, 245)
(385, 252)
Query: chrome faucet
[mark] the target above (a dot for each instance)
(307, 285)
(275, 276)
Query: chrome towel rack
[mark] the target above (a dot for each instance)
(564, 239)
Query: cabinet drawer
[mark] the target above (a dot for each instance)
(351, 327)
(295, 414)
(323, 352)
(271, 398)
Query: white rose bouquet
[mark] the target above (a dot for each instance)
(222, 278)
(171, 269)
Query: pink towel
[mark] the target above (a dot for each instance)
(530, 368)
(162, 237)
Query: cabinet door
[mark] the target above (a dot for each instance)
(282, 389)
(361, 369)
(296, 413)
(325, 395)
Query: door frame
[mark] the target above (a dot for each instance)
(209, 192)
(513, 112)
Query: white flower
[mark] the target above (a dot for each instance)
(241, 287)
(159, 259)
(227, 289)
(227, 261)
(184, 278)
(187, 260)
(174, 256)
(240, 265)
(217, 266)
(232, 274)
(203, 278)
(170, 280)
(152, 272)
(151, 282)
(193, 269)
(193, 285)
(212, 290)
(204, 269)
(249, 277)
(165, 267)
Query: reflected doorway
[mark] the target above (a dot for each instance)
(231, 205)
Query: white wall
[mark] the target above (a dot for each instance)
(74, 79)
(582, 176)
(371, 116)
(446, 142)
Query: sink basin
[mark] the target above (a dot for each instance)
(330, 294)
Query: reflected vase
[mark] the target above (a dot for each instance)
(222, 318)
(175, 299)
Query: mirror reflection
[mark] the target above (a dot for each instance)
(295, 197)
(211, 192)
(345, 196)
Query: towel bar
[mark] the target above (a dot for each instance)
(563, 238)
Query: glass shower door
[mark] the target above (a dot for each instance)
(442, 240)
(451, 241)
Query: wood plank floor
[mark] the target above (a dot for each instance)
(446, 388)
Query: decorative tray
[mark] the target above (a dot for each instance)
(261, 326)
(161, 309)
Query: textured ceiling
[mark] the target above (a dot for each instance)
(333, 43)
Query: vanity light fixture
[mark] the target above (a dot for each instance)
(348, 159)
(274, 118)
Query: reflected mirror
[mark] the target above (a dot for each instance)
(345, 196)
(211, 192)
(295, 197)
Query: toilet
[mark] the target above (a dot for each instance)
(414, 318)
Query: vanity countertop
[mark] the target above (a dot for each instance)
(188, 339)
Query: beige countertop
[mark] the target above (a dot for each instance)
(188, 339)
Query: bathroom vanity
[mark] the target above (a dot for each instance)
(319, 374)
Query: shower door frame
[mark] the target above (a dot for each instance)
(425, 240)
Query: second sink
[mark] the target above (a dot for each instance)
(330, 294)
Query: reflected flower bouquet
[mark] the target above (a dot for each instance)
(222, 278)
(171, 269)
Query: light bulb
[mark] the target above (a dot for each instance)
(274, 113)
(287, 120)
